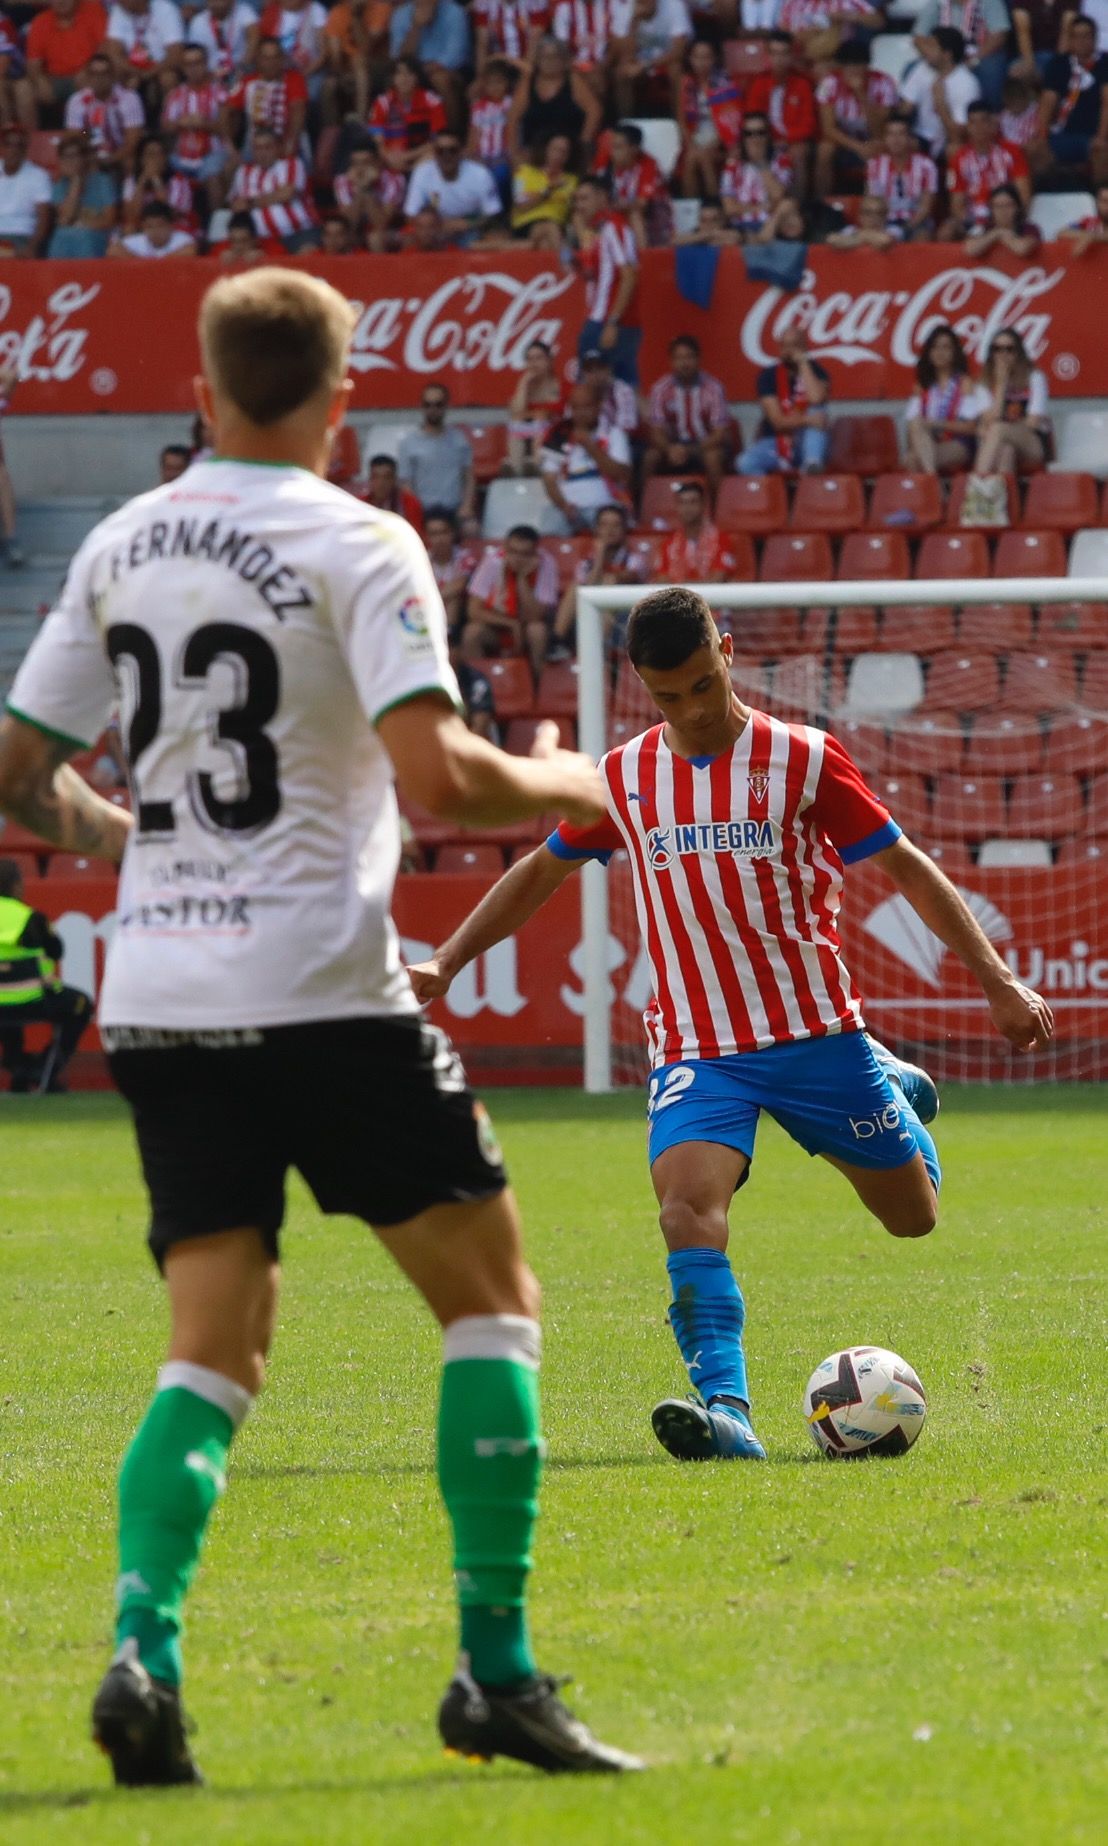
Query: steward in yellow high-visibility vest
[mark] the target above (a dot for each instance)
(31, 992)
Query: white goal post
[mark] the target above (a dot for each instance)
(592, 606)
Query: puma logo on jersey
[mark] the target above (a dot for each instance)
(745, 839)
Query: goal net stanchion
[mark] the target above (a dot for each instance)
(978, 709)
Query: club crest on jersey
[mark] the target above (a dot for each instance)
(758, 785)
(744, 839)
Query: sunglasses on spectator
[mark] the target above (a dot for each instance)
(434, 403)
(756, 134)
(1005, 346)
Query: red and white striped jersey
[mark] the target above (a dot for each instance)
(902, 188)
(599, 264)
(688, 413)
(510, 24)
(389, 188)
(252, 182)
(588, 27)
(977, 175)
(105, 123)
(488, 121)
(737, 863)
(176, 190)
(743, 189)
(206, 100)
(850, 108)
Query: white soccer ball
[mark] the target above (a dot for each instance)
(864, 1401)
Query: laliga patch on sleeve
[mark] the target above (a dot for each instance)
(415, 629)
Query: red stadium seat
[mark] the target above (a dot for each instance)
(1039, 682)
(478, 861)
(768, 632)
(754, 503)
(943, 555)
(752, 679)
(1044, 807)
(567, 554)
(991, 628)
(1083, 852)
(958, 494)
(971, 807)
(817, 625)
(874, 557)
(1073, 625)
(520, 735)
(865, 743)
(16, 838)
(428, 831)
(1096, 812)
(659, 500)
(556, 694)
(863, 445)
(42, 148)
(1030, 554)
(929, 746)
(805, 688)
(646, 551)
(962, 682)
(513, 689)
(1077, 743)
(917, 628)
(796, 557)
(831, 503)
(631, 699)
(856, 631)
(951, 856)
(75, 865)
(907, 503)
(26, 863)
(1094, 684)
(490, 448)
(346, 457)
(1061, 503)
(1004, 746)
(621, 730)
(905, 796)
(744, 58)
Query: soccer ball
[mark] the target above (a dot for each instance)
(864, 1401)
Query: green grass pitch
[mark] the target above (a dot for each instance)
(805, 1650)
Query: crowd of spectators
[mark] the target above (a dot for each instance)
(156, 130)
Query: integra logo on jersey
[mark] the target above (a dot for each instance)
(745, 839)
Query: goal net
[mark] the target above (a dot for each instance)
(983, 726)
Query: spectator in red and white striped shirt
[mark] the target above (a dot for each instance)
(1089, 233)
(228, 31)
(854, 103)
(276, 97)
(508, 29)
(274, 187)
(192, 116)
(512, 597)
(592, 29)
(907, 180)
(150, 179)
(368, 194)
(489, 111)
(688, 420)
(607, 257)
(697, 552)
(977, 168)
(108, 114)
(639, 193)
(755, 179)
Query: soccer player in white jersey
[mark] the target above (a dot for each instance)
(279, 651)
(738, 828)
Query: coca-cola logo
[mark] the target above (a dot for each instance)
(486, 318)
(49, 348)
(856, 329)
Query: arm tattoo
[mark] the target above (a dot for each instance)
(56, 804)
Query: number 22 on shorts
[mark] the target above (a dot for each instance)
(666, 1086)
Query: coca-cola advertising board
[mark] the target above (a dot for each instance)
(100, 336)
(516, 1013)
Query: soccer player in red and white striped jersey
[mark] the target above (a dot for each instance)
(738, 828)
(275, 191)
(607, 258)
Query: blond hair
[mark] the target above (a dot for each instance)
(272, 339)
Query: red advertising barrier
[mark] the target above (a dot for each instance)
(516, 1013)
(96, 336)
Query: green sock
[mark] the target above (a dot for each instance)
(490, 1459)
(172, 1475)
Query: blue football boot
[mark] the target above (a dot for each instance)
(691, 1431)
(914, 1084)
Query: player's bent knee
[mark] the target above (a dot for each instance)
(684, 1227)
(919, 1221)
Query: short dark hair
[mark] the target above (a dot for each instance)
(527, 533)
(157, 208)
(442, 513)
(855, 51)
(613, 506)
(948, 38)
(688, 339)
(11, 877)
(382, 461)
(781, 38)
(689, 487)
(666, 627)
(1082, 19)
(980, 107)
(630, 132)
(241, 221)
(176, 448)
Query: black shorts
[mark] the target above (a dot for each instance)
(375, 1115)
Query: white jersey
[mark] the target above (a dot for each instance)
(255, 622)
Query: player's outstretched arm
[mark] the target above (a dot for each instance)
(458, 776)
(502, 911)
(41, 791)
(1018, 1013)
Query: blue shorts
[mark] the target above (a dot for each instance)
(830, 1094)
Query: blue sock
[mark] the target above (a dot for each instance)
(707, 1318)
